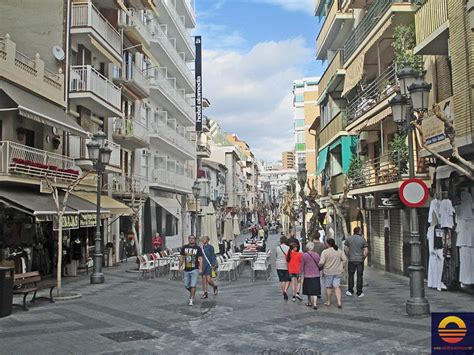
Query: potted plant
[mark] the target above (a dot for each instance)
(398, 153)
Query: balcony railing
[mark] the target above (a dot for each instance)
(334, 184)
(171, 179)
(429, 17)
(336, 124)
(378, 90)
(130, 184)
(331, 15)
(180, 24)
(333, 67)
(377, 171)
(370, 20)
(132, 73)
(133, 19)
(169, 44)
(129, 127)
(78, 150)
(171, 135)
(87, 79)
(30, 73)
(168, 86)
(19, 159)
(87, 15)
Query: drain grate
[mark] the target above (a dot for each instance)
(129, 335)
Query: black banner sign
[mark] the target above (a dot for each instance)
(387, 201)
(198, 74)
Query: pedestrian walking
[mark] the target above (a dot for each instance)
(318, 246)
(282, 266)
(293, 239)
(333, 262)
(261, 233)
(310, 270)
(209, 265)
(191, 262)
(356, 249)
(294, 265)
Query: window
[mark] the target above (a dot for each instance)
(299, 98)
(335, 161)
(299, 123)
(160, 162)
(300, 137)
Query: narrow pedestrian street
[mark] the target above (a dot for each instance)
(128, 316)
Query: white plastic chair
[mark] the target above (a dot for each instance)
(145, 266)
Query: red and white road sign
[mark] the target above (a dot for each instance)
(413, 193)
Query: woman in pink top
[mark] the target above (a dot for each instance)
(294, 265)
(310, 270)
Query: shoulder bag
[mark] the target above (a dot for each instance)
(213, 269)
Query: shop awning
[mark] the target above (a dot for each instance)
(40, 110)
(348, 144)
(107, 203)
(322, 159)
(170, 204)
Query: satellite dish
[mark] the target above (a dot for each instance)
(58, 53)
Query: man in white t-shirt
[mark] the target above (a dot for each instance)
(282, 266)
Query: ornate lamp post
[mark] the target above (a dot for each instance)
(99, 153)
(413, 98)
(196, 191)
(302, 176)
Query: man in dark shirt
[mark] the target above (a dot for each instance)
(356, 249)
(318, 246)
(191, 259)
(292, 239)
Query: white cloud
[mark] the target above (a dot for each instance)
(250, 93)
(306, 6)
(219, 36)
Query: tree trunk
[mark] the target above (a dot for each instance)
(60, 254)
(135, 236)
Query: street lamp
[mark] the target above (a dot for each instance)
(413, 98)
(196, 191)
(99, 153)
(302, 176)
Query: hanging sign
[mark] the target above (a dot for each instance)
(198, 76)
(413, 193)
(70, 221)
(87, 220)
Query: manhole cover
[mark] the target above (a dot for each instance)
(130, 335)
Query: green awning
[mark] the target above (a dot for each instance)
(349, 146)
(322, 159)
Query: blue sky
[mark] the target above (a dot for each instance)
(252, 52)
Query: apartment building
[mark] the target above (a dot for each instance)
(360, 78)
(288, 160)
(126, 72)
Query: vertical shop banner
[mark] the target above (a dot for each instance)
(198, 73)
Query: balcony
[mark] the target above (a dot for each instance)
(164, 47)
(133, 27)
(169, 134)
(376, 172)
(170, 180)
(203, 150)
(30, 73)
(78, 152)
(175, 100)
(32, 164)
(131, 133)
(432, 28)
(371, 25)
(336, 28)
(126, 185)
(185, 6)
(332, 77)
(134, 79)
(91, 89)
(373, 96)
(332, 128)
(335, 185)
(179, 24)
(86, 20)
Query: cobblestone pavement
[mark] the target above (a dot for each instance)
(126, 316)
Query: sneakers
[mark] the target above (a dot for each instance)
(285, 296)
(294, 299)
(190, 302)
(361, 295)
(348, 293)
(299, 297)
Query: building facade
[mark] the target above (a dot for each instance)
(288, 160)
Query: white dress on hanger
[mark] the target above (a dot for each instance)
(436, 259)
(446, 213)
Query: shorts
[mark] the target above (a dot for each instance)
(283, 275)
(333, 281)
(190, 278)
(206, 270)
(294, 276)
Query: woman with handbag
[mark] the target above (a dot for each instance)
(310, 270)
(209, 267)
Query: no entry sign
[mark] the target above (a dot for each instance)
(413, 193)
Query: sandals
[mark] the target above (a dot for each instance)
(339, 306)
(215, 290)
(205, 295)
(309, 305)
(327, 304)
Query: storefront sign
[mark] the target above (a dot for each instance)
(87, 220)
(433, 128)
(386, 201)
(69, 221)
